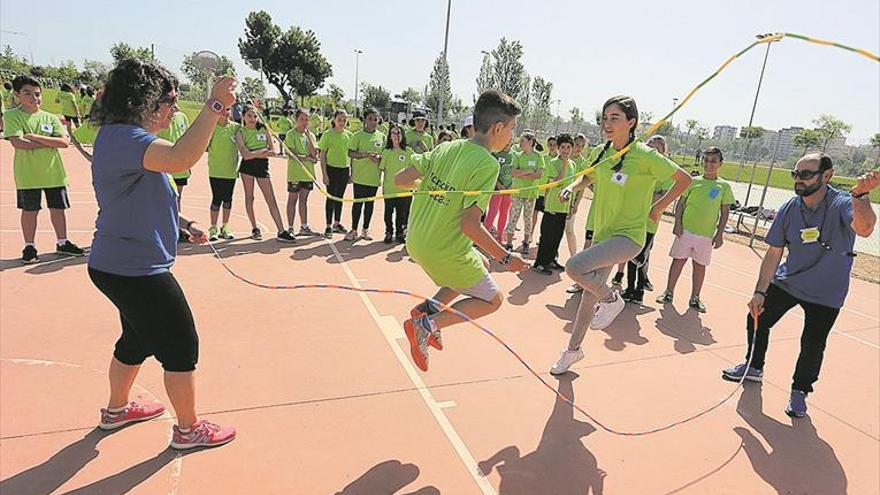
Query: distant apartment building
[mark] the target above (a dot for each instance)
(724, 133)
(785, 136)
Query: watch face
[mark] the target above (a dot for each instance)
(217, 106)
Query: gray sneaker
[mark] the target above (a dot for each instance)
(417, 336)
(797, 404)
(736, 373)
(697, 304)
(664, 298)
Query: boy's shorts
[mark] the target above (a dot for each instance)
(293, 187)
(692, 246)
(29, 199)
(181, 182)
(486, 289)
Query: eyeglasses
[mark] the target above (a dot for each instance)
(804, 174)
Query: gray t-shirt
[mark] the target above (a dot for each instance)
(820, 244)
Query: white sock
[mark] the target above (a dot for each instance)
(31, 244)
(61, 242)
(115, 410)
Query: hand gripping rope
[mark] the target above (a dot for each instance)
(403, 292)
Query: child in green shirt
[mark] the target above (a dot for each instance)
(395, 157)
(528, 168)
(443, 229)
(37, 136)
(300, 142)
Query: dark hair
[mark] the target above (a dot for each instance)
(370, 111)
(391, 127)
(66, 87)
(628, 105)
(22, 81)
(564, 138)
(337, 113)
(529, 136)
(714, 150)
(492, 107)
(7, 85)
(824, 160)
(134, 89)
(445, 134)
(247, 107)
(581, 136)
(552, 138)
(298, 112)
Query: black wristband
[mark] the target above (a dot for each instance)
(761, 292)
(860, 196)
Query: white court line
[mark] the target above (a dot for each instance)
(433, 406)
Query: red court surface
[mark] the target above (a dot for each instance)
(326, 399)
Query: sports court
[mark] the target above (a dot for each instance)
(321, 387)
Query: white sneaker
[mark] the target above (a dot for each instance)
(351, 235)
(365, 235)
(607, 312)
(566, 359)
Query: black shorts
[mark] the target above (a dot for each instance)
(281, 136)
(181, 182)
(539, 204)
(29, 199)
(156, 320)
(72, 119)
(221, 192)
(293, 187)
(255, 167)
(589, 236)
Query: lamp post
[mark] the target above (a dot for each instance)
(558, 118)
(357, 54)
(444, 66)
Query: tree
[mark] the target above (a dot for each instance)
(376, 97)
(254, 88)
(875, 142)
(508, 72)
(198, 75)
(830, 127)
(438, 86)
(597, 116)
(12, 63)
(690, 124)
(94, 72)
(702, 133)
(291, 60)
(412, 95)
(336, 94)
(121, 51)
(576, 118)
(753, 132)
(486, 78)
(666, 129)
(806, 138)
(542, 93)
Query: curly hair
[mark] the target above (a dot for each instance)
(134, 89)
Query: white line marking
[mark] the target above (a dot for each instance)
(390, 336)
(446, 404)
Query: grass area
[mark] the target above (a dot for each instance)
(780, 178)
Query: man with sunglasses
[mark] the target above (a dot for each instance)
(818, 226)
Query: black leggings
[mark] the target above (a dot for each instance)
(818, 321)
(221, 193)
(156, 320)
(637, 268)
(362, 191)
(396, 224)
(552, 230)
(338, 178)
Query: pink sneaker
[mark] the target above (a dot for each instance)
(134, 412)
(202, 434)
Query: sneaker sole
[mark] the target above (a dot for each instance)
(115, 426)
(415, 352)
(731, 378)
(31, 262)
(792, 414)
(557, 373)
(286, 241)
(436, 344)
(187, 446)
(73, 255)
(610, 321)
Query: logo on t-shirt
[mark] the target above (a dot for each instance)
(261, 137)
(377, 144)
(532, 164)
(619, 178)
(714, 192)
(501, 160)
(181, 126)
(46, 128)
(401, 158)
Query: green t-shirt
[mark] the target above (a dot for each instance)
(85, 104)
(413, 137)
(283, 125)
(41, 168)
(435, 240)
(702, 208)
(363, 170)
(658, 188)
(254, 139)
(544, 180)
(223, 152)
(68, 104)
(179, 124)
(505, 164)
(393, 161)
(528, 162)
(298, 142)
(552, 202)
(336, 144)
(9, 99)
(622, 200)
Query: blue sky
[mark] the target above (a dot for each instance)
(653, 51)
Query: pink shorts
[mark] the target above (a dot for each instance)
(692, 246)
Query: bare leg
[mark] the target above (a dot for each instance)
(248, 182)
(269, 196)
(29, 225)
(674, 273)
(121, 379)
(698, 277)
(227, 212)
(214, 215)
(472, 307)
(59, 222)
(292, 198)
(304, 207)
(181, 389)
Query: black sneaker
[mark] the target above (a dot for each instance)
(339, 229)
(524, 250)
(618, 278)
(626, 295)
(69, 249)
(556, 266)
(256, 234)
(542, 269)
(401, 239)
(509, 246)
(29, 255)
(388, 239)
(649, 286)
(285, 236)
(328, 233)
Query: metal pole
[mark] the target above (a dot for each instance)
(357, 54)
(764, 192)
(443, 66)
(558, 101)
(745, 157)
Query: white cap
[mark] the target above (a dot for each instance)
(469, 120)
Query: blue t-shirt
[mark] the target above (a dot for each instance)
(136, 229)
(811, 272)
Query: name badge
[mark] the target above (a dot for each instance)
(46, 128)
(377, 144)
(619, 178)
(304, 140)
(401, 158)
(714, 193)
(261, 137)
(501, 160)
(810, 235)
(181, 126)
(532, 164)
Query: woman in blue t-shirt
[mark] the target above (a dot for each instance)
(136, 241)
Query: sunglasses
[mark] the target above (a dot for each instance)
(804, 174)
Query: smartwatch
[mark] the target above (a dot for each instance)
(506, 259)
(216, 106)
